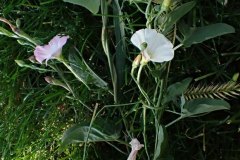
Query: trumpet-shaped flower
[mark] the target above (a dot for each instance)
(153, 45)
(52, 50)
(136, 146)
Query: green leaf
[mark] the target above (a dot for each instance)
(119, 28)
(95, 79)
(177, 89)
(5, 32)
(91, 5)
(199, 34)
(25, 43)
(101, 130)
(160, 139)
(162, 151)
(84, 72)
(176, 14)
(198, 107)
(21, 63)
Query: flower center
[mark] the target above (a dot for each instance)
(143, 46)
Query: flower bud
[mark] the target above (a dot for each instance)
(144, 60)
(32, 59)
(55, 82)
(235, 77)
(166, 5)
(49, 79)
(137, 61)
(20, 63)
(18, 23)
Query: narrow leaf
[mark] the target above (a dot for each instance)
(176, 14)
(119, 27)
(21, 63)
(160, 139)
(5, 32)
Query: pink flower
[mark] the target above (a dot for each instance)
(52, 50)
(136, 146)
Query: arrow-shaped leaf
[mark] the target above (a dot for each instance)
(91, 5)
(198, 107)
(200, 34)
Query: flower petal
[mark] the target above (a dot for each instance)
(58, 41)
(138, 38)
(52, 50)
(162, 54)
(135, 144)
(159, 48)
(156, 40)
(42, 52)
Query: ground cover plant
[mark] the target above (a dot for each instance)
(119, 79)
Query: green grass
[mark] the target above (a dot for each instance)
(35, 114)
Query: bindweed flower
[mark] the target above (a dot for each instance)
(153, 45)
(52, 50)
(136, 146)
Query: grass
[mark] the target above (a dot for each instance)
(35, 114)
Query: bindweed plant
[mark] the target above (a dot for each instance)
(142, 95)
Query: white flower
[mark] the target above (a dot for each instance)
(136, 146)
(52, 50)
(153, 45)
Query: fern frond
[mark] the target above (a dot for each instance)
(221, 91)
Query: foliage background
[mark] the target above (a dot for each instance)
(34, 114)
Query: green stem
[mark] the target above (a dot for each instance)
(176, 120)
(92, 120)
(178, 46)
(156, 92)
(139, 73)
(159, 105)
(147, 14)
(105, 44)
(144, 131)
(160, 93)
(139, 8)
(140, 88)
(19, 32)
(144, 106)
